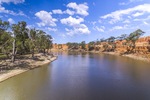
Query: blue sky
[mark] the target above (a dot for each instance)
(79, 20)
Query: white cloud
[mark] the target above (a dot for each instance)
(80, 29)
(142, 19)
(72, 21)
(118, 15)
(57, 11)
(70, 12)
(81, 9)
(100, 29)
(12, 1)
(129, 2)
(93, 22)
(3, 10)
(30, 26)
(126, 21)
(76, 24)
(46, 19)
(137, 14)
(145, 23)
(11, 21)
(119, 27)
(52, 29)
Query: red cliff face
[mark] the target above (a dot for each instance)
(60, 47)
(143, 45)
(121, 46)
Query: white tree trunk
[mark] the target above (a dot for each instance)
(14, 51)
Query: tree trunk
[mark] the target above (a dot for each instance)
(33, 53)
(44, 51)
(14, 51)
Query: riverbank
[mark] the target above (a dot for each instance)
(140, 57)
(23, 65)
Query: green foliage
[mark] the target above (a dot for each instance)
(83, 45)
(91, 45)
(18, 39)
(73, 45)
(133, 37)
(122, 37)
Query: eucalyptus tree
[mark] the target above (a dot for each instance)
(4, 25)
(73, 45)
(40, 40)
(6, 45)
(133, 37)
(43, 42)
(103, 40)
(22, 36)
(5, 38)
(91, 45)
(111, 41)
(48, 42)
(32, 41)
(122, 37)
(83, 45)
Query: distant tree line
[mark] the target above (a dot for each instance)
(130, 42)
(17, 39)
(76, 46)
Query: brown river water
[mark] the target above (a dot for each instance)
(82, 77)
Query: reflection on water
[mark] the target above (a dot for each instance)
(76, 76)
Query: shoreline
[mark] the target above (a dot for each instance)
(132, 56)
(140, 57)
(11, 73)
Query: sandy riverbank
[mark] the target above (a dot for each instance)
(19, 66)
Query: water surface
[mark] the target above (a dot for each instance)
(82, 77)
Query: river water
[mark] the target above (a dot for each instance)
(82, 77)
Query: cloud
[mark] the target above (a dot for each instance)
(80, 29)
(81, 9)
(52, 29)
(142, 19)
(70, 12)
(57, 11)
(3, 10)
(46, 19)
(76, 24)
(118, 15)
(129, 2)
(71, 21)
(30, 26)
(12, 1)
(146, 23)
(118, 28)
(100, 29)
(137, 14)
(11, 21)
(126, 21)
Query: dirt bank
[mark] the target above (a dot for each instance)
(23, 65)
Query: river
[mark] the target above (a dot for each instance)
(82, 77)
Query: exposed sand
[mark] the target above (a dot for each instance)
(31, 65)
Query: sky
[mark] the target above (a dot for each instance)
(79, 20)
